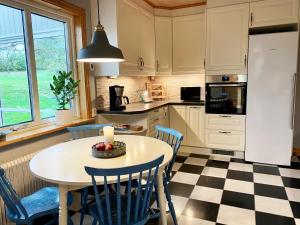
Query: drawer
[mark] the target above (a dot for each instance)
(226, 140)
(225, 122)
(162, 111)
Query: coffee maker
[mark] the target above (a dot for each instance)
(116, 98)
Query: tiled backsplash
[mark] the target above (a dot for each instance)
(173, 84)
(132, 84)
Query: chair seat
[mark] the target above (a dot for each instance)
(93, 210)
(43, 202)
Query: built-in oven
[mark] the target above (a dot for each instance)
(226, 94)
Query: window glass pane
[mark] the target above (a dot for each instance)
(15, 102)
(51, 56)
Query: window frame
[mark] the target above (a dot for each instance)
(28, 8)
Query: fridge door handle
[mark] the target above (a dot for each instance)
(293, 100)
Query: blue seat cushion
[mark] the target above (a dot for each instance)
(43, 202)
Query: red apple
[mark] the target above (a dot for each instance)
(109, 147)
(100, 147)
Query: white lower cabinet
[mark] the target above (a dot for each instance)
(178, 119)
(225, 122)
(195, 126)
(189, 120)
(158, 116)
(227, 140)
(226, 132)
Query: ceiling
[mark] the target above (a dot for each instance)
(174, 4)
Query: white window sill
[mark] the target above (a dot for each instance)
(31, 133)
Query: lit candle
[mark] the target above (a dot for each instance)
(108, 132)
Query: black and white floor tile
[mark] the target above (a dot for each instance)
(212, 190)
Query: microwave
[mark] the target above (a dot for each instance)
(192, 94)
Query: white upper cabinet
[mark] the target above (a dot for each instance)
(189, 44)
(129, 36)
(147, 40)
(163, 45)
(130, 28)
(227, 39)
(273, 12)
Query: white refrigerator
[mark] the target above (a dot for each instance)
(272, 67)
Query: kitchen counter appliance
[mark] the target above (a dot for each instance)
(117, 102)
(190, 94)
(226, 94)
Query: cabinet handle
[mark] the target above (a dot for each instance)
(224, 132)
(204, 63)
(157, 66)
(195, 107)
(225, 116)
(245, 60)
(143, 63)
(293, 101)
(251, 18)
(140, 63)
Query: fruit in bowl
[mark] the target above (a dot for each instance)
(100, 147)
(108, 150)
(109, 147)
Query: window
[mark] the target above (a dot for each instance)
(34, 45)
(50, 56)
(15, 101)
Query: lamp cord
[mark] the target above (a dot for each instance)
(98, 12)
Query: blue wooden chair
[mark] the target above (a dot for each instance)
(84, 131)
(25, 210)
(131, 208)
(174, 139)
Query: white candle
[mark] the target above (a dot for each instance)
(108, 132)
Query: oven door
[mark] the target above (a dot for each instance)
(226, 98)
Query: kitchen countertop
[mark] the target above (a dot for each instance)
(140, 107)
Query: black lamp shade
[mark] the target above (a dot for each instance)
(100, 50)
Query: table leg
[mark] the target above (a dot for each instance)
(63, 205)
(161, 197)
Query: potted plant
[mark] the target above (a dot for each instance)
(64, 87)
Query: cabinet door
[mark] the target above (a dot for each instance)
(147, 42)
(163, 45)
(129, 36)
(227, 39)
(195, 126)
(273, 12)
(188, 44)
(218, 139)
(178, 120)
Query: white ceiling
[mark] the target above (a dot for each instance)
(174, 3)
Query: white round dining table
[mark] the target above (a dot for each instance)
(63, 164)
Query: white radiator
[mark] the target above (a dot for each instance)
(18, 172)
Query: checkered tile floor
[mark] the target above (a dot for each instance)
(208, 190)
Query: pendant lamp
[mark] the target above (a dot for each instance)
(100, 49)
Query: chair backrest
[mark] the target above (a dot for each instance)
(83, 131)
(174, 139)
(132, 207)
(10, 197)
